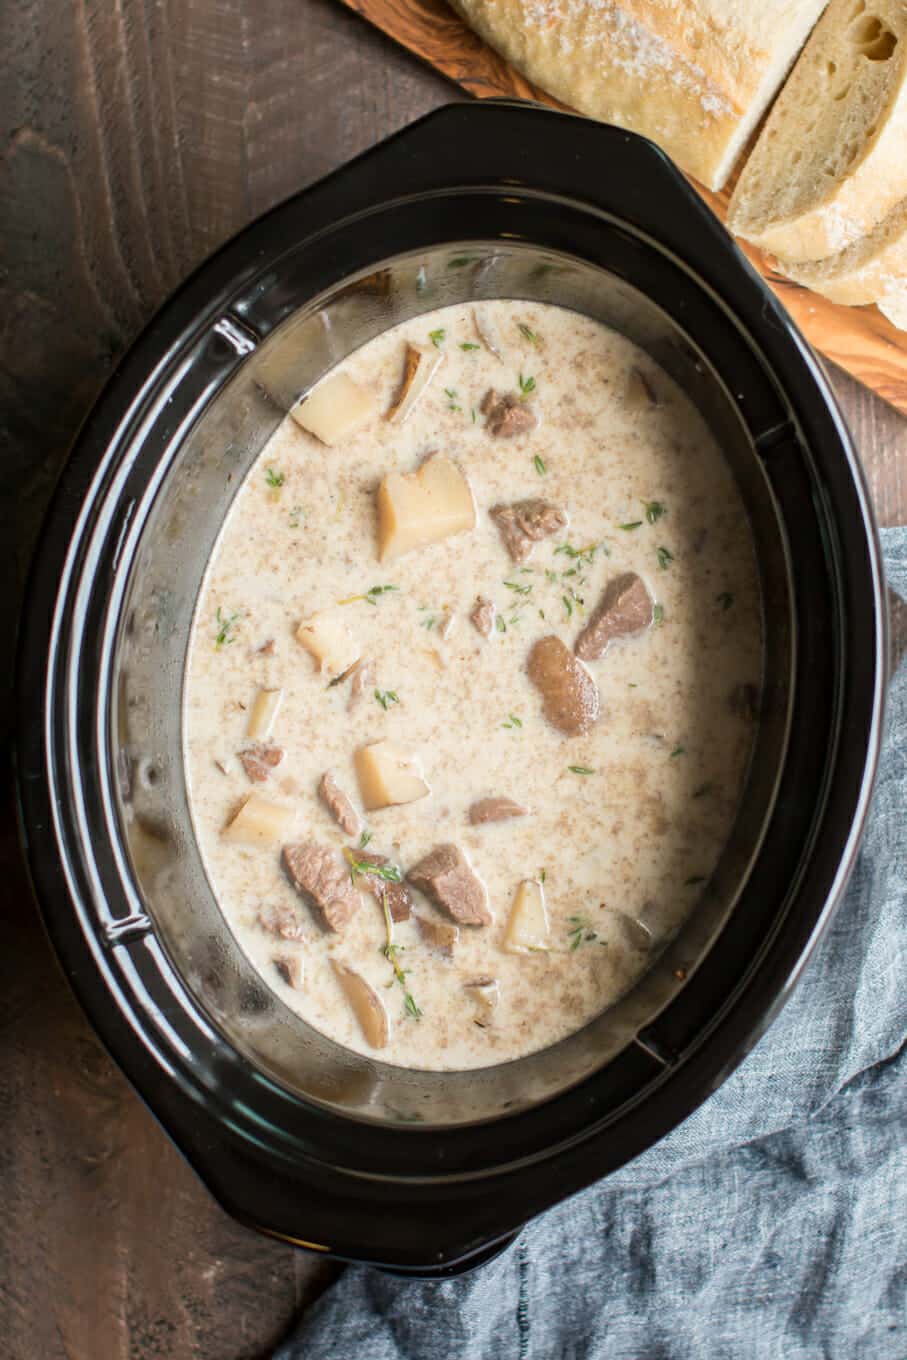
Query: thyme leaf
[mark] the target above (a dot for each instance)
(226, 624)
(387, 697)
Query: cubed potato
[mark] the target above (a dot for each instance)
(422, 507)
(263, 713)
(388, 775)
(330, 642)
(365, 1002)
(335, 409)
(259, 822)
(486, 993)
(528, 929)
(420, 364)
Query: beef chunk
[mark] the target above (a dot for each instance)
(338, 805)
(446, 876)
(322, 879)
(399, 898)
(438, 935)
(494, 810)
(570, 699)
(482, 616)
(507, 415)
(624, 610)
(280, 920)
(289, 967)
(259, 760)
(526, 523)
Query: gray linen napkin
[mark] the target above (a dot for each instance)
(772, 1224)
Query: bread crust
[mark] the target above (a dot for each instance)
(874, 269)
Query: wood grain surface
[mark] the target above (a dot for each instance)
(135, 135)
(859, 339)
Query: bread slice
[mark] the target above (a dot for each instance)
(694, 75)
(873, 269)
(831, 161)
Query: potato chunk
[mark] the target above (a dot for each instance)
(366, 1003)
(528, 929)
(263, 713)
(420, 364)
(422, 507)
(335, 409)
(259, 822)
(388, 775)
(330, 642)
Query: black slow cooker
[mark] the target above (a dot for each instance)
(426, 1172)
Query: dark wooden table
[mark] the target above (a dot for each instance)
(138, 135)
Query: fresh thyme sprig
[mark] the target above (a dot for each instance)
(390, 952)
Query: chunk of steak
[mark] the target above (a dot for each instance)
(482, 616)
(446, 876)
(495, 810)
(259, 760)
(507, 415)
(338, 805)
(526, 523)
(281, 920)
(399, 898)
(438, 935)
(570, 699)
(290, 968)
(320, 876)
(625, 609)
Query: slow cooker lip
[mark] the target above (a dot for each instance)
(160, 342)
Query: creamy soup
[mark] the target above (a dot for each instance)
(472, 685)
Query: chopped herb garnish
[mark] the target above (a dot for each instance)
(678, 751)
(664, 556)
(527, 386)
(390, 952)
(364, 839)
(428, 623)
(658, 614)
(587, 553)
(542, 875)
(473, 414)
(527, 333)
(693, 880)
(371, 596)
(512, 721)
(703, 790)
(580, 769)
(631, 684)
(226, 624)
(580, 932)
(568, 606)
(519, 589)
(631, 524)
(437, 337)
(467, 346)
(274, 479)
(296, 516)
(500, 624)
(654, 510)
(386, 697)
(452, 403)
(725, 599)
(389, 873)
(539, 465)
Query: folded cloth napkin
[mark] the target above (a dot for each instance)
(771, 1224)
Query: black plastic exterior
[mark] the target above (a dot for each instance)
(430, 1200)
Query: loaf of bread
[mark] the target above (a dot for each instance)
(694, 75)
(831, 162)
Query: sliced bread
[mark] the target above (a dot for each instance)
(873, 269)
(831, 161)
(694, 75)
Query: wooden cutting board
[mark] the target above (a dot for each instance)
(857, 338)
